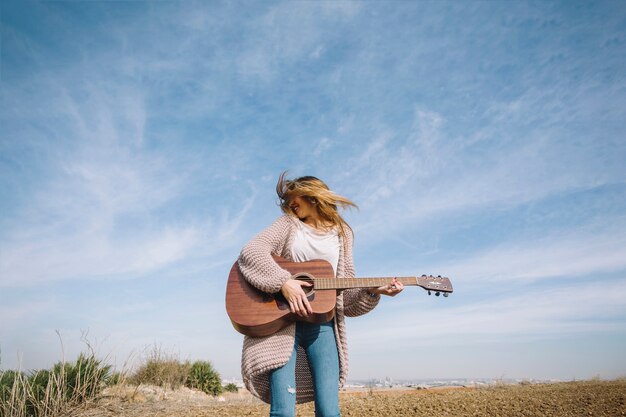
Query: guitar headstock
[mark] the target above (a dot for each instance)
(438, 284)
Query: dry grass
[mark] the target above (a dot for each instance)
(160, 368)
(71, 386)
(569, 399)
(77, 389)
(168, 371)
(59, 390)
(54, 392)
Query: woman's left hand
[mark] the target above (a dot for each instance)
(392, 289)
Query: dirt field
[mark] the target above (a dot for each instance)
(575, 399)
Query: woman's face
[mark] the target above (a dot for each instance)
(303, 208)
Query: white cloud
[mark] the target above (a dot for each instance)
(97, 213)
(538, 312)
(428, 173)
(322, 146)
(92, 255)
(289, 32)
(587, 253)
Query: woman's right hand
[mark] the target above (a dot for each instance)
(295, 296)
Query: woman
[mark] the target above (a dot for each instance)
(303, 361)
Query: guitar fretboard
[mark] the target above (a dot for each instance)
(344, 283)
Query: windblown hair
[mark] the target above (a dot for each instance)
(317, 193)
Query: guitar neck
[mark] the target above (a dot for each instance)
(345, 283)
(426, 282)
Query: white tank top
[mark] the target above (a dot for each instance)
(309, 244)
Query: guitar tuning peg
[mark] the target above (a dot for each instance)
(437, 293)
(423, 275)
(428, 292)
(445, 294)
(438, 276)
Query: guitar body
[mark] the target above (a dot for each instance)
(255, 313)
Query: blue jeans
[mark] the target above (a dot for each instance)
(318, 340)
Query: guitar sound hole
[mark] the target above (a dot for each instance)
(309, 291)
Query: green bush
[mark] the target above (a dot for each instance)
(7, 383)
(84, 379)
(202, 376)
(165, 370)
(169, 373)
(230, 387)
(52, 392)
(12, 393)
(38, 387)
(116, 378)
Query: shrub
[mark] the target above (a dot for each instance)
(52, 392)
(202, 376)
(116, 378)
(230, 387)
(84, 379)
(168, 373)
(12, 393)
(7, 382)
(165, 370)
(161, 369)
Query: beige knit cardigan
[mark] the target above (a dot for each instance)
(262, 354)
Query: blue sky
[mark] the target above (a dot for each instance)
(140, 143)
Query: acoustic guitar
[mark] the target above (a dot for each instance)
(256, 313)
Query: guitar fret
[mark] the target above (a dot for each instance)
(371, 282)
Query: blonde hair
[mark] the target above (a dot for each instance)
(317, 193)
